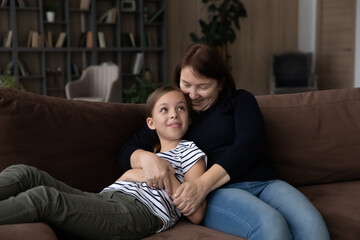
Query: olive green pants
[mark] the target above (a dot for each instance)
(30, 195)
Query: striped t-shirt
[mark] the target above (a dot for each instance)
(182, 158)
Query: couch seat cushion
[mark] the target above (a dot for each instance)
(339, 204)
(27, 231)
(186, 230)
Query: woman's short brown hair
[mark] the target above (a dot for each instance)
(206, 61)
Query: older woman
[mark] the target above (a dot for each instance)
(245, 198)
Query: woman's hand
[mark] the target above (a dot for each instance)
(156, 170)
(189, 196)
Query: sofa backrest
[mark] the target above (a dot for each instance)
(314, 137)
(75, 141)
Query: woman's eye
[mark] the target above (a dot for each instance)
(204, 87)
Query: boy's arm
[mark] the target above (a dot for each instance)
(194, 172)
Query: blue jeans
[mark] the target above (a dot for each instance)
(264, 210)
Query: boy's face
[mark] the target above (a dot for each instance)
(170, 116)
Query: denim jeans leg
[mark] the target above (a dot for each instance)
(305, 221)
(238, 212)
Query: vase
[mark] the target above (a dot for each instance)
(50, 16)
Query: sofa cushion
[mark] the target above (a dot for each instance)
(75, 141)
(314, 137)
(27, 231)
(338, 203)
(186, 230)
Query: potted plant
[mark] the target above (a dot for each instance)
(50, 9)
(8, 81)
(222, 17)
(139, 91)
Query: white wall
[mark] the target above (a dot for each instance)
(307, 27)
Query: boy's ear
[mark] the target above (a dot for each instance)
(150, 123)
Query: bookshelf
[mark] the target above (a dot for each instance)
(45, 55)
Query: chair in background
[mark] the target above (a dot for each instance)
(97, 83)
(291, 73)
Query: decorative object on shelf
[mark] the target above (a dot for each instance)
(128, 5)
(145, 14)
(138, 63)
(219, 30)
(50, 9)
(140, 90)
(8, 81)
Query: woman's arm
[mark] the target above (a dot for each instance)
(137, 153)
(155, 169)
(137, 175)
(192, 174)
(190, 195)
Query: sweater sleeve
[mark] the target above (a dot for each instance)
(249, 137)
(144, 139)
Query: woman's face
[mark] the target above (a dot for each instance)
(202, 91)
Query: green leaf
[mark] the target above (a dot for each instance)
(194, 38)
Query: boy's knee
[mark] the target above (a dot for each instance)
(21, 168)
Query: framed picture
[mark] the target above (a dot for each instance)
(128, 5)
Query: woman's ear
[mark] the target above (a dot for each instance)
(150, 123)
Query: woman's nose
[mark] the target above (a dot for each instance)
(192, 94)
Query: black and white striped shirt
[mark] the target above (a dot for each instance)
(182, 158)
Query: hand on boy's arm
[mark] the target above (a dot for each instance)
(192, 202)
(155, 169)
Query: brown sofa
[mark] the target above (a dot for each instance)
(313, 139)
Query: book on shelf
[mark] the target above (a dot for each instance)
(89, 39)
(127, 39)
(138, 63)
(23, 69)
(48, 39)
(34, 39)
(22, 3)
(8, 38)
(101, 39)
(85, 4)
(3, 3)
(148, 39)
(132, 39)
(156, 15)
(108, 17)
(82, 39)
(60, 42)
(28, 43)
(74, 69)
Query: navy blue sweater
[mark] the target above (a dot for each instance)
(231, 133)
